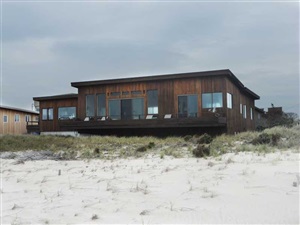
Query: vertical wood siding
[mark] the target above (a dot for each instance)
(235, 120)
(52, 125)
(12, 127)
(168, 92)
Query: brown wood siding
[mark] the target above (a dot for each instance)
(168, 92)
(236, 122)
(12, 127)
(165, 95)
(52, 125)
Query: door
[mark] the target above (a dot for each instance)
(182, 106)
(187, 106)
(126, 109)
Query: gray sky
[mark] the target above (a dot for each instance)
(48, 45)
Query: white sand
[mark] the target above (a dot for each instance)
(243, 188)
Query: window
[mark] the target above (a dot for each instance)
(115, 94)
(258, 116)
(17, 118)
(5, 119)
(90, 105)
(229, 101)
(137, 109)
(66, 113)
(136, 92)
(244, 111)
(50, 114)
(212, 100)
(44, 114)
(241, 108)
(114, 109)
(27, 118)
(125, 92)
(47, 114)
(152, 100)
(251, 114)
(101, 105)
(187, 106)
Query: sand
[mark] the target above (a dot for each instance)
(234, 188)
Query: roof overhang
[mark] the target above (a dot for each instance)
(18, 109)
(56, 97)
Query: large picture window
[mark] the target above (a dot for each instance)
(114, 109)
(188, 106)
(212, 100)
(137, 109)
(152, 100)
(101, 105)
(66, 113)
(90, 106)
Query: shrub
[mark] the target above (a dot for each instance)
(202, 150)
(96, 151)
(204, 139)
(265, 138)
(151, 145)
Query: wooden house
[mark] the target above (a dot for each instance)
(15, 120)
(54, 109)
(197, 102)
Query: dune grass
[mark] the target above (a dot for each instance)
(269, 140)
(90, 146)
(113, 147)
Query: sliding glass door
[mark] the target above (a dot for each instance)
(126, 109)
(187, 106)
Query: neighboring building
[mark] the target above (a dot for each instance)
(56, 108)
(275, 116)
(211, 101)
(15, 120)
(260, 119)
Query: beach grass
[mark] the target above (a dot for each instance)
(94, 146)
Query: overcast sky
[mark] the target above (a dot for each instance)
(48, 45)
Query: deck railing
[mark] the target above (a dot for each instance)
(153, 116)
(32, 123)
(168, 120)
(32, 126)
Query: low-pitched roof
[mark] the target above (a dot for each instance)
(18, 109)
(56, 97)
(225, 72)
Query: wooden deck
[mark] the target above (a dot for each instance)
(69, 125)
(33, 127)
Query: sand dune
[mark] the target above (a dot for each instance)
(234, 188)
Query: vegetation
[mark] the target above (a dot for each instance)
(268, 140)
(109, 147)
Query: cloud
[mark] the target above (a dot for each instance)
(47, 45)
